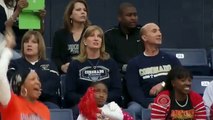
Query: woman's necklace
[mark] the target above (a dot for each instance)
(93, 66)
(187, 99)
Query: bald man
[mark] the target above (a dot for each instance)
(147, 72)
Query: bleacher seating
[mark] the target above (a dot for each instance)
(63, 77)
(199, 83)
(48, 52)
(61, 114)
(211, 58)
(193, 59)
(146, 114)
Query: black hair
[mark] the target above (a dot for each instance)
(98, 82)
(18, 79)
(178, 72)
(123, 6)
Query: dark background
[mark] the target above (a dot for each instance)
(184, 23)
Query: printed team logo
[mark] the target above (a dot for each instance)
(45, 66)
(163, 100)
(73, 48)
(90, 74)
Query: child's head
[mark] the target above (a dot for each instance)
(101, 93)
(95, 97)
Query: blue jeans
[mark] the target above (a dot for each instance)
(136, 109)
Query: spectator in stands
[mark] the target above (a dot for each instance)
(34, 57)
(25, 84)
(208, 98)
(9, 12)
(178, 101)
(147, 72)
(125, 35)
(66, 43)
(93, 105)
(91, 65)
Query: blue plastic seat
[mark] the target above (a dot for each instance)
(61, 114)
(63, 78)
(193, 59)
(48, 52)
(199, 83)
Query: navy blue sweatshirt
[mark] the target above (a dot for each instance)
(81, 75)
(48, 74)
(144, 72)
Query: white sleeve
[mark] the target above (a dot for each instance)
(208, 97)
(5, 93)
(113, 111)
(81, 117)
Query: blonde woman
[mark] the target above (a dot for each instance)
(91, 65)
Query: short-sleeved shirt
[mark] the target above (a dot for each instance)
(19, 108)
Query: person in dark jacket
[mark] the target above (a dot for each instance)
(34, 57)
(66, 43)
(123, 41)
(91, 65)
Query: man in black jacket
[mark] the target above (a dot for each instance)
(123, 41)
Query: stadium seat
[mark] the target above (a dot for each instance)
(146, 114)
(63, 78)
(61, 114)
(211, 59)
(48, 52)
(193, 59)
(199, 83)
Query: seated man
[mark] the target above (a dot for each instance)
(124, 35)
(147, 72)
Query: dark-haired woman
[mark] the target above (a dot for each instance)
(66, 43)
(26, 85)
(178, 101)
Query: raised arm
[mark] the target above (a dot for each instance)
(6, 55)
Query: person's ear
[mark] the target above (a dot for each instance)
(172, 83)
(143, 37)
(85, 43)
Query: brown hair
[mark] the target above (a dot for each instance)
(40, 40)
(83, 55)
(68, 11)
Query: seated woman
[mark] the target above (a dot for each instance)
(178, 101)
(91, 65)
(34, 57)
(93, 105)
(26, 85)
(66, 41)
